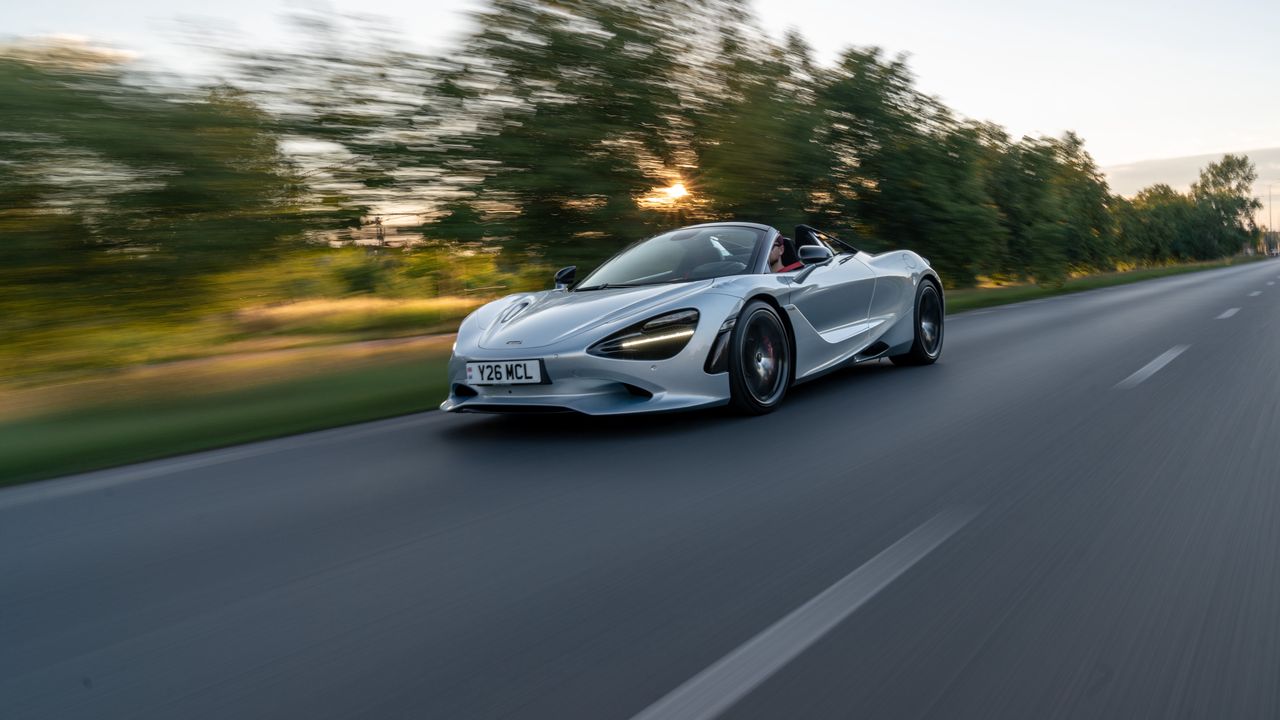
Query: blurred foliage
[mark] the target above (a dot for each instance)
(570, 107)
(352, 105)
(1213, 220)
(580, 109)
(110, 186)
(131, 205)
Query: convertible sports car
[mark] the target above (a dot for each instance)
(694, 318)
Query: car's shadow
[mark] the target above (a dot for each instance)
(800, 400)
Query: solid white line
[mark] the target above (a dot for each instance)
(1255, 293)
(102, 479)
(729, 679)
(1227, 314)
(1152, 367)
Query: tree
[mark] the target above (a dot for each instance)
(755, 134)
(356, 108)
(911, 173)
(1084, 201)
(1224, 193)
(1152, 225)
(111, 187)
(569, 108)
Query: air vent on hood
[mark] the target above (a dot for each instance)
(513, 311)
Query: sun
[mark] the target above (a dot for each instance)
(666, 197)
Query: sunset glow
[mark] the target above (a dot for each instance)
(675, 192)
(665, 196)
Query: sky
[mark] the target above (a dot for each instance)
(1137, 79)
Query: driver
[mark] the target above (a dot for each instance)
(775, 257)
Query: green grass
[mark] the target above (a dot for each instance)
(974, 298)
(107, 435)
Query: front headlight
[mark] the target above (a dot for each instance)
(657, 338)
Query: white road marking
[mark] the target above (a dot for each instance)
(1152, 367)
(103, 479)
(1228, 314)
(1255, 293)
(1271, 282)
(729, 679)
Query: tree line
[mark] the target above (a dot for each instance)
(542, 139)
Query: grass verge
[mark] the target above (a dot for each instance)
(119, 433)
(974, 298)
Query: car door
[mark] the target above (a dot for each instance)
(895, 288)
(836, 298)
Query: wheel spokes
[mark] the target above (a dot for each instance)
(764, 358)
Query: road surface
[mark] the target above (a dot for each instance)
(1074, 514)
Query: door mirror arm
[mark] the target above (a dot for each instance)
(805, 273)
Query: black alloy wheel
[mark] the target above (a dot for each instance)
(930, 316)
(759, 360)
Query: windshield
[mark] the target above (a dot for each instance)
(687, 254)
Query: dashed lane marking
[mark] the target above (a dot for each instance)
(1152, 367)
(716, 689)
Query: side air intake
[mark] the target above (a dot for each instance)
(874, 350)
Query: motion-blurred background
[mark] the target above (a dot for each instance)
(283, 238)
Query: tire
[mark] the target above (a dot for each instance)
(760, 364)
(930, 319)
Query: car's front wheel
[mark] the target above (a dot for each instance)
(759, 360)
(929, 319)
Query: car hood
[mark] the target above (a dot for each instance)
(553, 316)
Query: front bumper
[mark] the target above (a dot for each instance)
(592, 385)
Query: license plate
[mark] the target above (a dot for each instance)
(512, 372)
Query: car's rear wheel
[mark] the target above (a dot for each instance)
(759, 360)
(929, 320)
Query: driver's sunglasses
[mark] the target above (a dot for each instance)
(777, 242)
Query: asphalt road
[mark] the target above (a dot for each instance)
(1074, 514)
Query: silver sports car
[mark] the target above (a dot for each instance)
(721, 313)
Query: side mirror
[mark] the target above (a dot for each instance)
(564, 277)
(814, 254)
